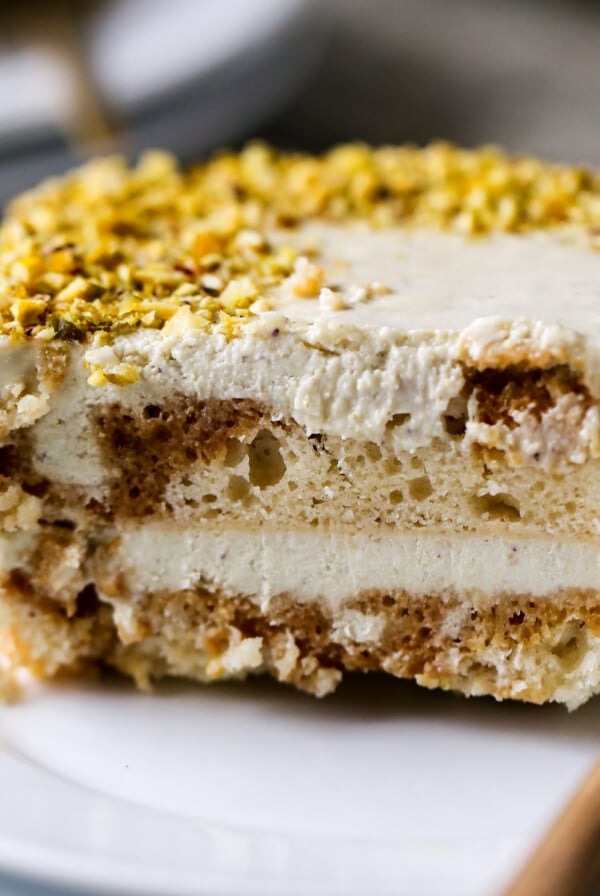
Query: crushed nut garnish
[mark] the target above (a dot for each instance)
(377, 288)
(331, 300)
(356, 295)
(307, 279)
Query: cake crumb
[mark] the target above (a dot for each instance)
(331, 300)
(307, 278)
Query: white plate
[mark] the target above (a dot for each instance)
(256, 789)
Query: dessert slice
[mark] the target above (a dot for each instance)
(304, 416)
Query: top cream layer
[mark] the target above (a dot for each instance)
(434, 281)
(393, 319)
(387, 322)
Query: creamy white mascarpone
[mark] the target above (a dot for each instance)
(334, 567)
(442, 281)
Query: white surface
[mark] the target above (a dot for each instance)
(446, 281)
(260, 790)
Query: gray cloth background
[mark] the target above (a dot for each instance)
(523, 73)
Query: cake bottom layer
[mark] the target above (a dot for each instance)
(523, 647)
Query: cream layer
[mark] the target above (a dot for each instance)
(452, 302)
(334, 567)
(440, 281)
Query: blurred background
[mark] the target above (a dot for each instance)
(84, 76)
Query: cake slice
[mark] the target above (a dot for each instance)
(305, 416)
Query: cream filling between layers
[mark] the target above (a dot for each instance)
(333, 567)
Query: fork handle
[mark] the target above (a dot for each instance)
(568, 857)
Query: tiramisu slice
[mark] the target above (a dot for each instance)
(305, 415)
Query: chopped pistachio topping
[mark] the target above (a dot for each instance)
(107, 248)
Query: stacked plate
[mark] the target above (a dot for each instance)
(187, 75)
